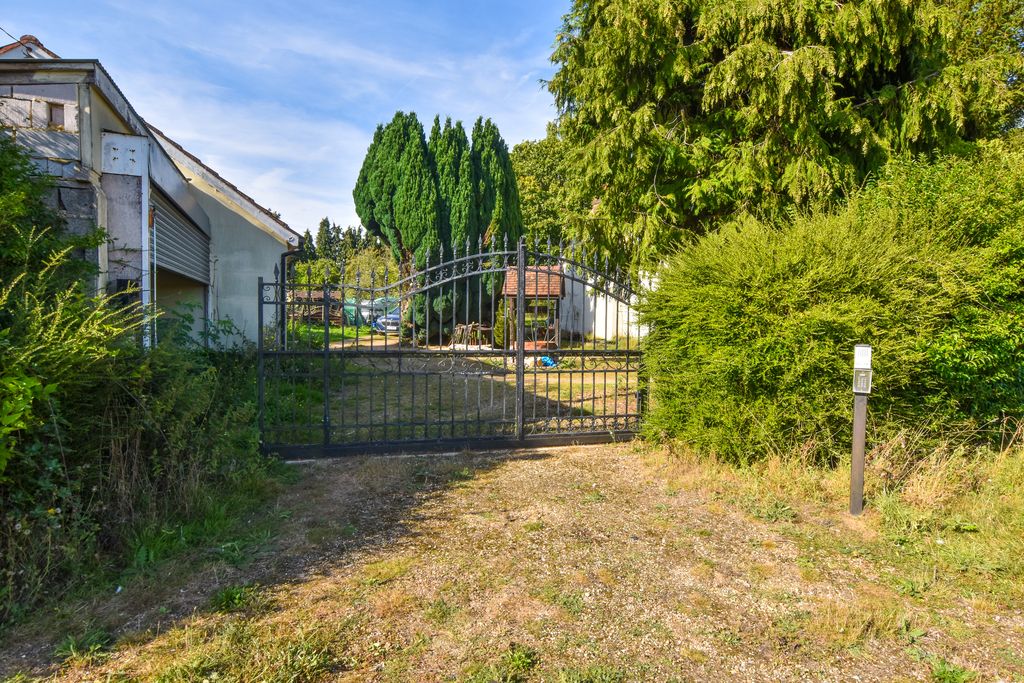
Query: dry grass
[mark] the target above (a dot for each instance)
(583, 564)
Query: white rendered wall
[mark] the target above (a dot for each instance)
(587, 311)
(240, 253)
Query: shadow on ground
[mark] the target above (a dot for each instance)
(337, 511)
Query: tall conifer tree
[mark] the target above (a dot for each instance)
(396, 194)
(497, 195)
(324, 243)
(450, 149)
(427, 200)
(308, 247)
(681, 113)
(455, 176)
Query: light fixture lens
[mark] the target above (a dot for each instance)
(862, 357)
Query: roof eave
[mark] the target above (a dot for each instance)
(260, 214)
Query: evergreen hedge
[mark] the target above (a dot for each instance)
(753, 327)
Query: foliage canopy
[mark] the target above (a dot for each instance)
(753, 327)
(544, 181)
(681, 113)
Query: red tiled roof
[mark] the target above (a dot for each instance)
(542, 282)
(30, 42)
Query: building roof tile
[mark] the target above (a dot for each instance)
(542, 282)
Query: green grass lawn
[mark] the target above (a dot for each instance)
(313, 334)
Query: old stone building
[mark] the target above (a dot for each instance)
(178, 233)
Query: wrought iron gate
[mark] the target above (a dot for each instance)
(508, 347)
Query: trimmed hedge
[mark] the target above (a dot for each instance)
(753, 327)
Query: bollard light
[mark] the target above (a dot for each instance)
(862, 369)
(861, 389)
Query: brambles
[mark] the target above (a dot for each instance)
(103, 446)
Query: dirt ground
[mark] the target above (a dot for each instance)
(573, 564)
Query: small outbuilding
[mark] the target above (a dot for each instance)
(543, 290)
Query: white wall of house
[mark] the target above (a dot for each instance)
(241, 252)
(588, 311)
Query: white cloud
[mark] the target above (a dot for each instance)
(282, 99)
(284, 158)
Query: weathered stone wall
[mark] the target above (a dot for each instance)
(44, 119)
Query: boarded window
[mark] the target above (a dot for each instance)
(56, 119)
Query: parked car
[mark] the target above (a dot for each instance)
(391, 323)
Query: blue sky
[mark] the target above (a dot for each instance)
(282, 98)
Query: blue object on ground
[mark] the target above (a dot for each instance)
(547, 362)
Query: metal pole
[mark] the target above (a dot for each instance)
(860, 415)
(326, 392)
(259, 360)
(861, 389)
(520, 339)
(282, 278)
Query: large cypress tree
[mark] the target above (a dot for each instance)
(428, 200)
(497, 196)
(396, 194)
(450, 149)
(679, 113)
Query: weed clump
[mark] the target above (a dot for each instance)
(109, 452)
(514, 666)
(246, 597)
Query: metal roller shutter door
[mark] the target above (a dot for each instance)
(180, 246)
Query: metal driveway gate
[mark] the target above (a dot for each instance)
(510, 347)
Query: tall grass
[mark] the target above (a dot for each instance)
(753, 327)
(949, 519)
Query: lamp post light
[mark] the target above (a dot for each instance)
(861, 389)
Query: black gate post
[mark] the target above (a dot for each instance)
(327, 361)
(282, 314)
(521, 339)
(259, 359)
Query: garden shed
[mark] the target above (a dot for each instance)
(544, 288)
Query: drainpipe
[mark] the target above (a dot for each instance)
(147, 276)
(282, 318)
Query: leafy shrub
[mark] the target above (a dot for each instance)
(98, 439)
(753, 327)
